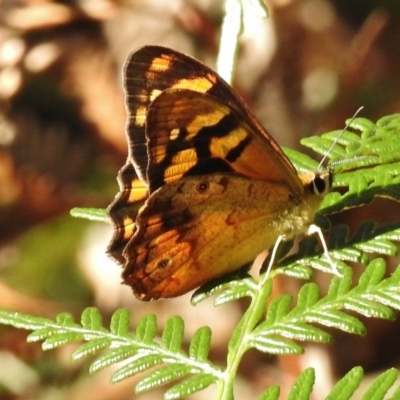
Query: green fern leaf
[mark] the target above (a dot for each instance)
(339, 286)
(200, 344)
(274, 345)
(91, 319)
(369, 239)
(389, 297)
(61, 339)
(387, 292)
(298, 271)
(189, 386)
(66, 319)
(272, 393)
(372, 275)
(278, 308)
(381, 385)
(233, 287)
(162, 376)
(41, 334)
(90, 348)
(112, 357)
(235, 293)
(337, 319)
(302, 162)
(172, 336)
(393, 235)
(24, 321)
(345, 387)
(338, 241)
(146, 329)
(307, 298)
(139, 363)
(302, 332)
(369, 308)
(120, 322)
(302, 388)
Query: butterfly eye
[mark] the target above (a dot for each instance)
(202, 187)
(163, 263)
(322, 183)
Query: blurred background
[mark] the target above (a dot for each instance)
(304, 71)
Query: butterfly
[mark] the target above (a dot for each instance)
(205, 188)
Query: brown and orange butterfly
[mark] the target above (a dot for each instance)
(205, 188)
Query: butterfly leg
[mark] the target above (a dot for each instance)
(273, 254)
(317, 230)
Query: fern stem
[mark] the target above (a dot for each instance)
(239, 344)
(232, 27)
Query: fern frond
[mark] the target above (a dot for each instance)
(367, 240)
(142, 350)
(373, 296)
(344, 389)
(282, 327)
(374, 151)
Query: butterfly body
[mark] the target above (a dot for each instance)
(205, 188)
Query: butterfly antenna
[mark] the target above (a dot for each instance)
(355, 158)
(339, 136)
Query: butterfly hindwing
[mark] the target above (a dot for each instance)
(187, 229)
(124, 210)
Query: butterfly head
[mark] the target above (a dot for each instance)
(318, 182)
(321, 183)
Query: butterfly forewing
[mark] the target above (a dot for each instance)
(148, 72)
(153, 69)
(191, 133)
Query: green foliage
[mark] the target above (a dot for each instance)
(142, 349)
(93, 214)
(369, 162)
(277, 329)
(271, 325)
(281, 327)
